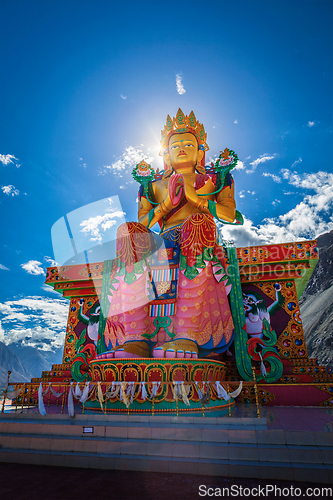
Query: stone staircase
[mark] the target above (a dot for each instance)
(215, 446)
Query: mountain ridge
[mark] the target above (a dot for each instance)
(25, 362)
(316, 305)
(9, 361)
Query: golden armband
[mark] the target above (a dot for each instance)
(202, 204)
(162, 209)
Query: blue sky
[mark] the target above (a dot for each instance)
(85, 90)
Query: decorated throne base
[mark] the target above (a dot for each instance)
(193, 372)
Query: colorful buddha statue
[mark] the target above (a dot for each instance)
(169, 291)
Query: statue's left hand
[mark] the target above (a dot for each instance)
(176, 188)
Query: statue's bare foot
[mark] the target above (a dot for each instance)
(181, 348)
(135, 349)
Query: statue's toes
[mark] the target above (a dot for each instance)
(106, 355)
(119, 353)
(158, 352)
(170, 353)
(122, 353)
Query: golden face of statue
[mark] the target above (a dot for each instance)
(184, 153)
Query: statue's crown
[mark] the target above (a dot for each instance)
(180, 124)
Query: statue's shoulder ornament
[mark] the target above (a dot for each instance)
(220, 170)
(145, 175)
(222, 178)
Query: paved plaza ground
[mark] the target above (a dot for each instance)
(27, 482)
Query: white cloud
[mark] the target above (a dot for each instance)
(316, 181)
(33, 267)
(313, 215)
(209, 161)
(125, 163)
(276, 202)
(7, 159)
(13, 313)
(236, 121)
(10, 190)
(180, 86)
(242, 195)
(274, 177)
(261, 159)
(94, 225)
(242, 235)
(49, 289)
(123, 97)
(2, 332)
(52, 262)
(307, 220)
(296, 161)
(240, 165)
(4, 268)
(310, 124)
(34, 321)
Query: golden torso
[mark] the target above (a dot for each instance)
(161, 189)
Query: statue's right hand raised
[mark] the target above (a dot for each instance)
(176, 189)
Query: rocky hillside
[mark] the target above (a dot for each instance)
(322, 277)
(25, 362)
(316, 305)
(34, 360)
(9, 361)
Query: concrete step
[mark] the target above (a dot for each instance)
(137, 430)
(115, 419)
(194, 445)
(172, 448)
(173, 428)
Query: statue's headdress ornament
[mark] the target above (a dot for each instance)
(180, 124)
